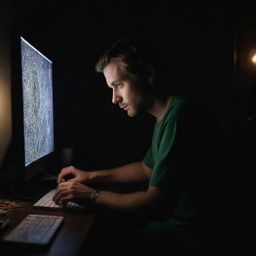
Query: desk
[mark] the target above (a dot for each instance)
(69, 238)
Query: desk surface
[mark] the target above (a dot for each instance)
(69, 238)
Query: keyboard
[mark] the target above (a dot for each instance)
(46, 202)
(35, 230)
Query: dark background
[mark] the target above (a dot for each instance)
(207, 46)
(198, 41)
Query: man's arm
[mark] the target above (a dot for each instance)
(133, 172)
(142, 202)
(150, 203)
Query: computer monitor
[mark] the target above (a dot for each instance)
(33, 111)
(37, 103)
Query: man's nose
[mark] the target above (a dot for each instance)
(116, 98)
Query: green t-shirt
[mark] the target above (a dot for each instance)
(173, 170)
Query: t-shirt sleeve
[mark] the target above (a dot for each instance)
(165, 173)
(148, 158)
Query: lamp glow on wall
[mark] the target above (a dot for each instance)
(254, 59)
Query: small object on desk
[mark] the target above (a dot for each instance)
(35, 230)
(6, 204)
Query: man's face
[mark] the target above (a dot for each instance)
(125, 88)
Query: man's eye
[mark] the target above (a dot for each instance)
(118, 85)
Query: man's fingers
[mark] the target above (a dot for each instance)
(61, 176)
(66, 199)
(62, 192)
(59, 194)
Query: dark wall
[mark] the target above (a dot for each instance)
(206, 47)
(197, 41)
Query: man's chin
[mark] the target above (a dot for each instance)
(132, 113)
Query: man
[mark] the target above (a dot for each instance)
(171, 167)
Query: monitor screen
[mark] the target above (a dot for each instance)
(33, 140)
(37, 103)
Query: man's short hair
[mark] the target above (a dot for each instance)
(142, 61)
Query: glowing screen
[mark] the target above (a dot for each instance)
(37, 103)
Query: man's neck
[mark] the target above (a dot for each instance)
(159, 107)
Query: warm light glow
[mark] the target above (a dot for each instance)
(5, 116)
(254, 59)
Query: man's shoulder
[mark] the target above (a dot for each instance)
(179, 104)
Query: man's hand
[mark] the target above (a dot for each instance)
(70, 190)
(77, 175)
